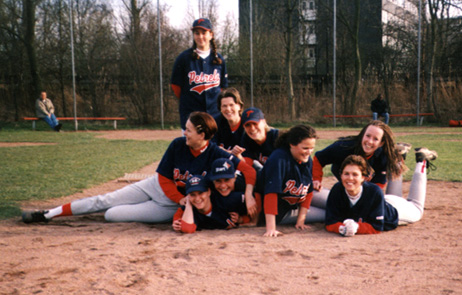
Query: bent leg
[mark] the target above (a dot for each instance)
(412, 209)
(395, 187)
(375, 116)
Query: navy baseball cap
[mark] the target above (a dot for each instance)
(252, 115)
(196, 184)
(202, 23)
(222, 168)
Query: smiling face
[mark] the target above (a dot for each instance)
(193, 139)
(230, 109)
(302, 151)
(202, 38)
(352, 179)
(201, 200)
(372, 140)
(224, 185)
(256, 131)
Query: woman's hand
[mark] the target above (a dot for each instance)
(301, 226)
(182, 202)
(237, 151)
(176, 225)
(272, 233)
(317, 185)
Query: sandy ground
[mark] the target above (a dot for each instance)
(86, 255)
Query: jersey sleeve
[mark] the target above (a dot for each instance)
(169, 188)
(178, 72)
(317, 169)
(271, 204)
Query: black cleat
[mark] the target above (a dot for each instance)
(424, 154)
(34, 216)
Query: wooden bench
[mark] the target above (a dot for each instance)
(115, 119)
(422, 115)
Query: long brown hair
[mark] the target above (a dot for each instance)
(213, 51)
(395, 163)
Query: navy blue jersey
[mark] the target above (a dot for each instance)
(224, 136)
(336, 153)
(178, 163)
(218, 218)
(234, 202)
(259, 152)
(370, 208)
(290, 180)
(200, 81)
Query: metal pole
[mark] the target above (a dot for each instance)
(160, 69)
(71, 20)
(418, 64)
(334, 74)
(251, 55)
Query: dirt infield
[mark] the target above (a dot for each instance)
(86, 255)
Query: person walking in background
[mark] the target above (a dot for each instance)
(45, 110)
(199, 73)
(379, 107)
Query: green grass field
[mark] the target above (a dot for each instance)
(77, 161)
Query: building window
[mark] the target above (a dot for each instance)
(311, 5)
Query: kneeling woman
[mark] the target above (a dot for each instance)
(355, 206)
(202, 211)
(286, 180)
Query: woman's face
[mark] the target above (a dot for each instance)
(200, 200)
(352, 179)
(372, 140)
(224, 185)
(256, 131)
(230, 109)
(202, 38)
(193, 139)
(302, 151)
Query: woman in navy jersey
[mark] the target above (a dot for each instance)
(286, 180)
(230, 129)
(355, 206)
(157, 198)
(376, 144)
(258, 141)
(202, 210)
(199, 73)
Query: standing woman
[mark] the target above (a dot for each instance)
(230, 129)
(156, 199)
(199, 73)
(355, 206)
(287, 181)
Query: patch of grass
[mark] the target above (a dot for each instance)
(77, 161)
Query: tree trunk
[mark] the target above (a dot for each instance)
(29, 42)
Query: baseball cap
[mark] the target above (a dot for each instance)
(196, 183)
(222, 168)
(202, 23)
(252, 115)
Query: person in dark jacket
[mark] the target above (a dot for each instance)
(379, 107)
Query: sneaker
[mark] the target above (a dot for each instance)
(34, 216)
(423, 153)
(403, 148)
